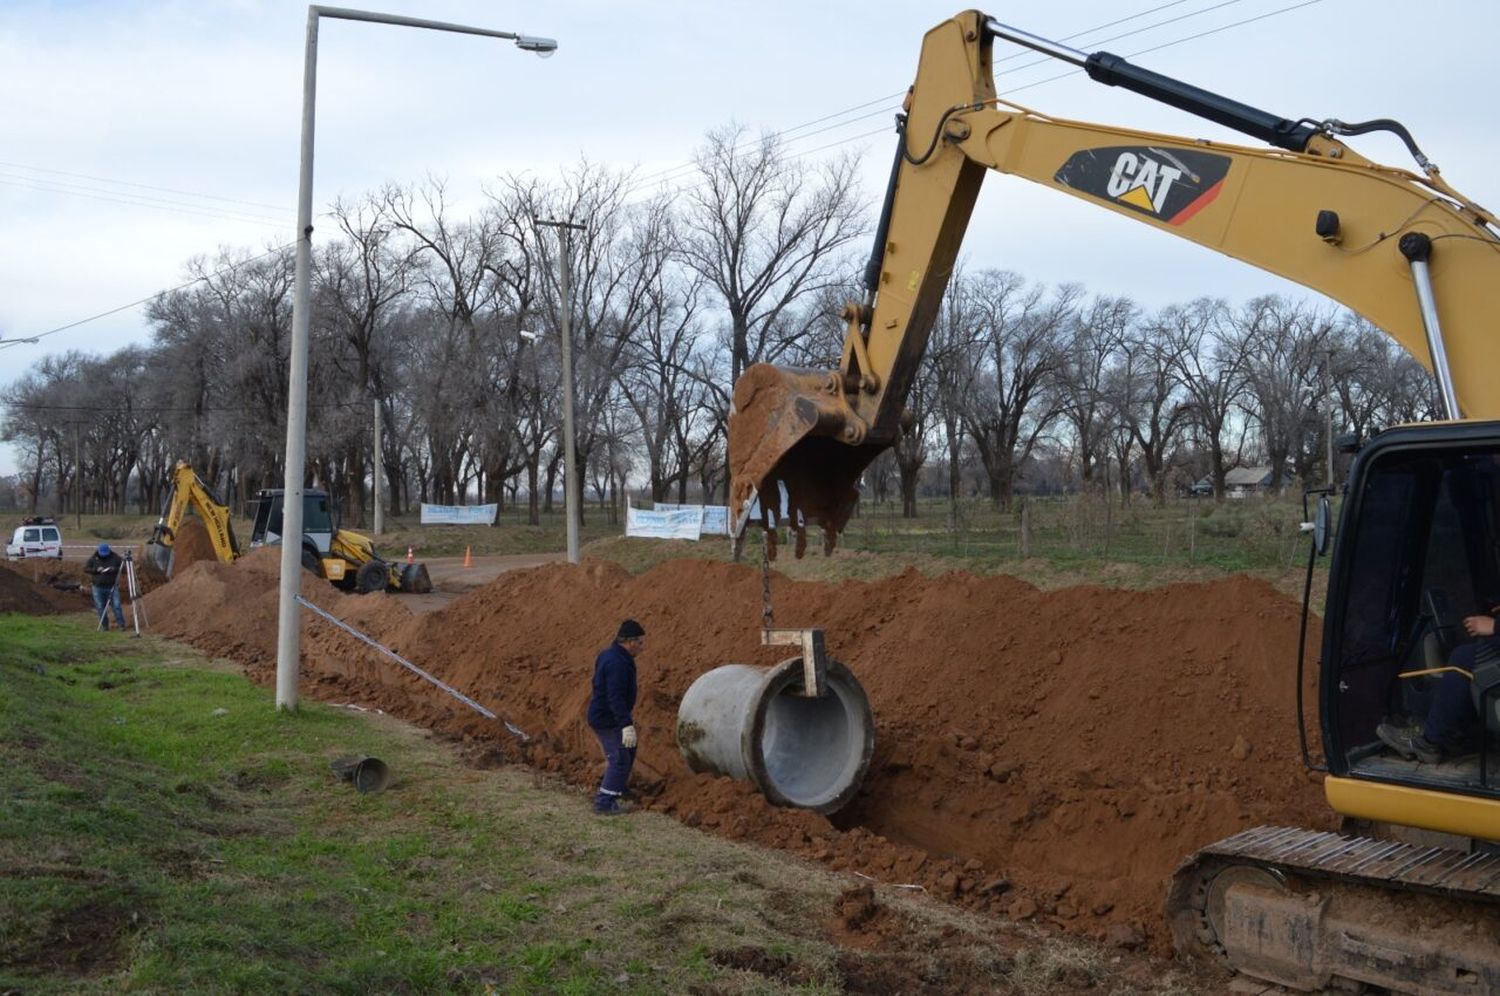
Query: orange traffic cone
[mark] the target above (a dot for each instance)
(410, 558)
(468, 556)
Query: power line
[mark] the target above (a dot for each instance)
(687, 188)
(158, 204)
(135, 304)
(1178, 41)
(141, 186)
(665, 174)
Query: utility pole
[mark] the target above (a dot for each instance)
(377, 475)
(571, 482)
(77, 478)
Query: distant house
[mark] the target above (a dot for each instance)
(1242, 481)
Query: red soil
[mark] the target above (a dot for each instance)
(25, 587)
(1047, 754)
(191, 544)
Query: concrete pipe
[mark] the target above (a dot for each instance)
(753, 722)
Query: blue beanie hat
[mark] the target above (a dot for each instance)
(104, 549)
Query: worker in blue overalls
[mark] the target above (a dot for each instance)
(611, 714)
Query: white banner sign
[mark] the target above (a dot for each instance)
(682, 523)
(460, 515)
(715, 520)
(715, 517)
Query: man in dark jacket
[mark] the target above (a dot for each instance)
(611, 711)
(104, 567)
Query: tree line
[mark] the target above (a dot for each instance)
(445, 325)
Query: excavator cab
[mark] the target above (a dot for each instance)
(1420, 551)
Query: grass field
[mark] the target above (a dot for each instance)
(1257, 534)
(167, 831)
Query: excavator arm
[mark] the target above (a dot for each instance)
(187, 490)
(1403, 249)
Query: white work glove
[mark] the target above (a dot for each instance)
(627, 737)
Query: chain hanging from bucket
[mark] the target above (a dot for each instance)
(767, 620)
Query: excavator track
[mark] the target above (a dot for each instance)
(1310, 910)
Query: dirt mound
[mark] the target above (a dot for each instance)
(1047, 755)
(191, 544)
(30, 587)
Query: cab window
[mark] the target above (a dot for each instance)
(316, 516)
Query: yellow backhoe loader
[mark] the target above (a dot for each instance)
(1408, 897)
(345, 558)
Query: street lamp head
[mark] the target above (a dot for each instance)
(543, 47)
(529, 336)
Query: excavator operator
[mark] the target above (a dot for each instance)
(1451, 727)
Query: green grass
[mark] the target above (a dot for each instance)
(165, 830)
(1072, 532)
(169, 831)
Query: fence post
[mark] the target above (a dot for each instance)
(1025, 529)
(1192, 525)
(1109, 517)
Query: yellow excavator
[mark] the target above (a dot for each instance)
(347, 559)
(1407, 897)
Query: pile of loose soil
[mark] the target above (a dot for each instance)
(1048, 755)
(27, 586)
(191, 544)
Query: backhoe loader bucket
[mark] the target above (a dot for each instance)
(159, 555)
(415, 580)
(791, 428)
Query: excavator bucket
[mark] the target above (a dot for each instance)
(787, 433)
(415, 579)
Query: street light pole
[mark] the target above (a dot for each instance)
(572, 494)
(288, 621)
(377, 475)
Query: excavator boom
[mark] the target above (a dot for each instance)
(1399, 248)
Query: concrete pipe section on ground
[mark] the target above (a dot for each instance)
(753, 722)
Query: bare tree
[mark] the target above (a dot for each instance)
(767, 232)
(458, 258)
(1377, 383)
(667, 400)
(363, 278)
(1286, 344)
(1209, 361)
(1148, 398)
(1018, 337)
(1094, 336)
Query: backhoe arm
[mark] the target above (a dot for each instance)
(1404, 250)
(188, 490)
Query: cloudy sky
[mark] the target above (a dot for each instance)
(138, 134)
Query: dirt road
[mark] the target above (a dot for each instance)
(450, 578)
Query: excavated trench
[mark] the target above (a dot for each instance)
(1037, 754)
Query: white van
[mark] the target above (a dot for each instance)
(35, 537)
